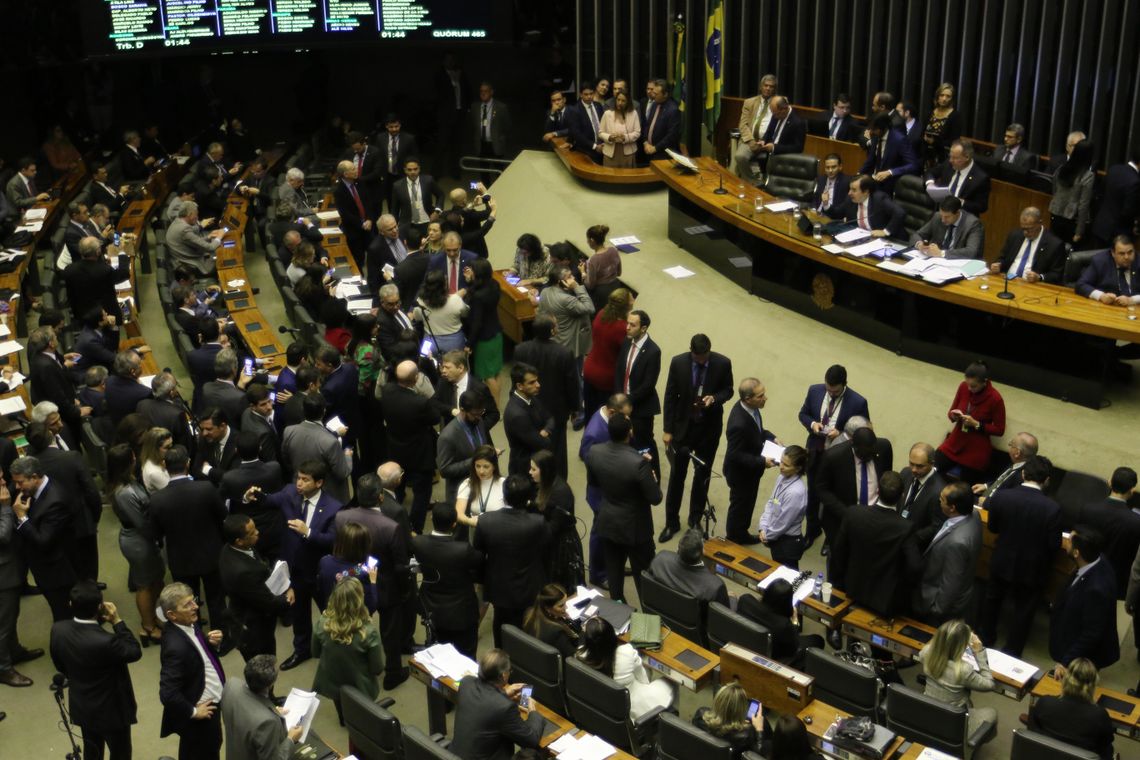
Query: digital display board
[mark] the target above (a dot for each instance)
(128, 26)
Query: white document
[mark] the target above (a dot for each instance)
(939, 274)
(574, 610)
(1012, 668)
(833, 248)
(678, 272)
(779, 206)
(866, 249)
(5, 331)
(31, 227)
(937, 192)
(929, 753)
(334, 425)
(10, 347)
(16, 380)
(124, 286)
(791, 576)
(627, 240)
(300, 709)
(851, 236)
(773, 451)
(565, 743)
(235, 283)
(278, 580)
(146, 380)
(33, 214)
(359, 305)
(590, 747)
(12, 405)
(348, 290)
(446, 660)
(388, 270)
(328, 216)
(326, 231)
(684, 161)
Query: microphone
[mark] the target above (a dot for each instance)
(58, 682)
(1005, 295)
(283, 329)
(700, 462)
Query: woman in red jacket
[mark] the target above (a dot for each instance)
(608, 333)
(977, 412)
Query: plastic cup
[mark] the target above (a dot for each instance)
(825, 593)
(817, 232)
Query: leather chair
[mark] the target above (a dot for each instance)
(1030, 745)
(418, 746)
(373, 732)
(1075, 264)
(1075, 490)
(601, 706)
(724, 626)
(536, 663)
(934, 723)
(680, 740)
(910, 195)
(94, 448)
(846, 686)
(792, 175)
(681, 612)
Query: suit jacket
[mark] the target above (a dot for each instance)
(92, 283)
(227, 397)
(342, 394)
(487, 723)
(108, 196)
(559, 123)
(1022, 159)
(629, 490)
(390, 546)
(100, 694)
(298, 200)
(1075, 721)
(694, 580)
(409, 419)
(252, 608)
(405, 146)
(254, 729)
(370, 177)
(1083, 623)
(350, 218)
(1120, 527)
(95, 347)
(1101, 274)
(557, 375)
(218, 465)
(18, 194)
(1121, 205)
(582, 135)
(454, 450)
(189, 245)
(791, 138)
(13, 573)
(680, 394)
(867, 557)
(123, 395)
(747, 115)
(189, 514)
(742, 459)
(410, 276)
(925, 514)
(451, 569)
(838, 197)
(898, 157)
(446, 398)
(574, 313)
(438, 263)
(974, 191)
(836, 484)
(666, 133)
(173, 416)
(500, 126)
(431, 196)
(388, 333)
(969, 236)
(69, 471)
(1028, 528)
(304, 553)
(945, 569)
(514, 544)
(73, 233)
(181, 679)
(523, 424)
(849, 130)
(49, 381)
(643, 376)
(882, 214)
(311, 440)
(1048, 258)
(200, 364)
(269, 448)
(270, 523)
(45, 538)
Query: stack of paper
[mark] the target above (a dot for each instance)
(870, 248)
(678, 272)
(328, 216)
(124, 286)
(627, 240)
(146, 380)
(16, 380)
(929, 753)
(1005, 665)
(359, 305)
(278, 580)
(12, 405)
(803, 591)
(348, 289)
(31, 226)
(10, 347)
(779, 206)
(588, 747)
(577, 605)
(773, 451)
(300, 709)
(334, 425)
(33, 214)
(326, 231)
(851, 236)
(445, 660)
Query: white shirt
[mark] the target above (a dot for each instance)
(489, 498)
(212, 692)
(316, 497)
(631, 358)
(872, 479)
(416, 196)
(1026, 254)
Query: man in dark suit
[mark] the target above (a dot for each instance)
(1028, 528)
(340, 387)
(829, 196)
(452, 92)
(744, 461)
(661, 128)
(257, 420)
(451, 569)
(352, 203)
(458, 440)
(452, 260)
(253, 608)
(200, 361)
(370, 170)
(210, 193)
(922, 489)
(698, 385)
(873, 210)
(410, 276)
(867, 554)
(191, 679)
(527, 423)
(945, 567)
(133, 165)
(1021, 447)
(1013, 151)
(636, 372)
(557, 119)
(394, 146)
(98, 342)
(124, 392)
(889, 154)
(786, 130)
(489, 123)
(309, 534)
(101, 697)
(251, 471)
(584, 122)
(625, 519)
(216, 448)
(1119, 525)
(79, 226)
(391, 319)
(90, 280)
(456, 379)
(13, 577)
(102, 192)
(849, 475)
(49, 379)
(415, 201)
(386, 251)
(514, 543)
(1113, 276)
(44, 532)
(1083, 623)
(684, 570)
(839, 124)
(410, 419)
(487, 721)
(1032, 252)
(167, 410)
(559, 385)
(1120, 208)
(964, 178)
(226, 391)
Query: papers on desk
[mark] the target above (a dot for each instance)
(326, 231)
(124, 286)
(360, 305)
(348, 289)
(31, 226)
(833, 248)
(852, 235)
(684, 161)
(16, 380)
(678, 272)
(936, 271)
(800, 592)
(300, 709)
(929, 753)
(10, 254)
(1003, 664)
(334, 425)
(12, 405)
(772, 450)
(627, 240)
(328, 216)
(577, 605)
(444, 660)
(937, 192)
(588, 747)
(278, 580)
(10, 347)
(236, 283)
(870, 248)
(5, 331)
(779, 206)
(33, 214)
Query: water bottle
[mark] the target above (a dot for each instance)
(817, 592)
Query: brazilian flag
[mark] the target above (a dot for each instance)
(714, 59)
(679, 58)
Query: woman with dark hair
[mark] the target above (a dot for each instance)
(600, 650)
(619, 132)
(370, 365)
(441, 313)
(484, 332)
(603, 268)
(943, 127)
(532, 260)
(775, 611)
(728, 719)
(145, 568)
(555, 501)
(790, 740)
(978, 412)
(334, 316)
(482, 491)
(781, 525)
(433, 241)
(547, 620)
(131, 430)
(607, 334)
(1072, 194)
(312, 290)
(349, 559)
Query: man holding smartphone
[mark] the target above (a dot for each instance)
(487, 720)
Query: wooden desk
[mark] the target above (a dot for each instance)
(583, 167)
(1126, 723)
(888, 634)
(260, 338)
(669, 662)
(822, 715)
(516, 308)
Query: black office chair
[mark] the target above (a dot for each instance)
(419, 746)
(1030, 745)
(600, 705)
(934, 723)
(910, 195)
(537, 663)
(1075, 264)
(846, 686)
(373, 732)
(681, 612)
(792, 175)
(724, 626)
(678, 740)
(1076, 490)
(94, 448)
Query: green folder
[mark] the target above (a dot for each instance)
(645, 631)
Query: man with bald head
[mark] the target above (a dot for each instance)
(410, 418)
(922, 484)
(1021, 447)
(1031, 252)
(477, 222)
(785, 133)
(452, 261)
(352, 203)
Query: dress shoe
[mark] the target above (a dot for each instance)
(1132, 693)
(27, 655)
(578, 423)
(11, 678)
(666, 533)
(294, 660)
(824, 550)
(101, 585)
(391, 682)
(3, 715)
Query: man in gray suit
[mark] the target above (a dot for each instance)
(12, 576)
(254, 728)
(1013, 151)
(946, 587)
(188, 244)
(684, 570)
(312, 440)
(292, 193)
(629, 490)
(458, 440)
(490, 123)
(950, 233)
(226, 392)
(487, 721)
(21, 190)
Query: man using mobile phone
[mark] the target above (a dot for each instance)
(487, 720)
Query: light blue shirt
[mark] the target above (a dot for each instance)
(784, 512)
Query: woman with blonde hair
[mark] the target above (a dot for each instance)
(943, 127)
(949, 678)
(728, 719)
(619, 132)
(1075, 717)
(347, 645)
(155, 443)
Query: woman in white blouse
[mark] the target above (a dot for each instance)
(602, 652)
(619, 131)
(482, 492)
(155, 444)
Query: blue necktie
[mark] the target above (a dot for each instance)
(954, 184)
(759, 422)
(1024, 259)
(863, 484)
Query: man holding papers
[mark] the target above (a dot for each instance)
(254, 728)
(950, 233)
(253, 605)
(745, 460)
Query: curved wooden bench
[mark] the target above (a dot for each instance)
(580, 165)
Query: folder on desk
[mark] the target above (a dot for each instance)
(645, 631)
(617, 614)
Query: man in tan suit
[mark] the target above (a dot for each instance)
(754, 118)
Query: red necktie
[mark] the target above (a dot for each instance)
(453, 278)
(356, 197)
(863, 217)
(360, 163)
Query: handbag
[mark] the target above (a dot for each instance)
(860, 728)
(645, 631)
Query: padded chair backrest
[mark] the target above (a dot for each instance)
(723, 625)
(1076, 263)
(598, 704)
(94, 449)
(536, 663)
(1076, 490)
(910, 194)
(679, 740)
(681, 612)
(373, 732)
(926, 720)
(1030, 745)
(848, 687)
(792, 175)
(418, 746)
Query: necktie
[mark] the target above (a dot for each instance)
(398, 252)
(954, 184)
(1009, 157)
(998, 483)
(910, 497)
(453, 277)
(360, 163)
(863, 216)
(830, 194)
(593, 120)
(760, 118)
(306, 508)
(948, 240)
(1125, 288)
(417, 201)
(403, 320)
(215, 454)
(60, 443)
(863, 484)
(653, 122)
(779, 130)
(213, 658)
(31, 187)
(879, 157)
(392, 155)
(1024, 263)
(756, 418)
(486, 124)
(359, 204)
(629, 367)
(834, 127)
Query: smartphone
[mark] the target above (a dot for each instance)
(753, 708)
(225, 229)
(474, 185)
(248, 370)
(273, 396)
(118, 237)
(426, 347)
(524, 696)
(371, 563)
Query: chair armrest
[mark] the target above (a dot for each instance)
(386, 702)
(441, 740)
(649, 718)
(982, 734)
